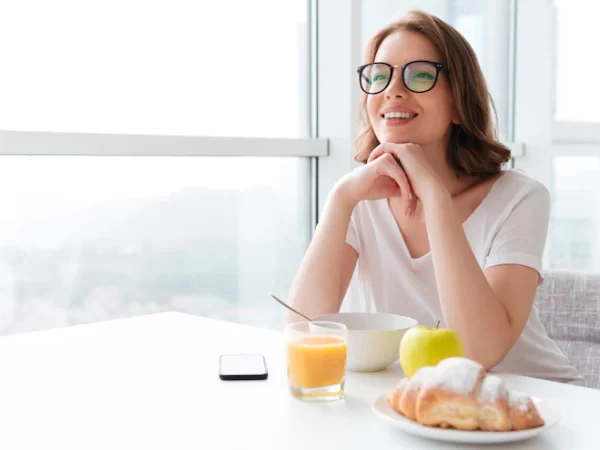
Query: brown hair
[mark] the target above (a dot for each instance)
(473, 146)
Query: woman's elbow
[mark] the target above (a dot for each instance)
(491, 355)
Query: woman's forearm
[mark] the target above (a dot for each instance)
(469, 305)
(316, 288)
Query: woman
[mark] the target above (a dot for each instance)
(438, 229)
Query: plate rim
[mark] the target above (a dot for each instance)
(462, 436)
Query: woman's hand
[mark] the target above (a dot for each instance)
(380, 178)
(415, 165)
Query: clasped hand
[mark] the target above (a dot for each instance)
(393, 170)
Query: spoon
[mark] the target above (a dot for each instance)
(289, 307)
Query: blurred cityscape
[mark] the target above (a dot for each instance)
(214, 253)
(574, 235)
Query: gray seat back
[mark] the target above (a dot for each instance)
(568, 304)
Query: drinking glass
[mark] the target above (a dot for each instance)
(316, 359)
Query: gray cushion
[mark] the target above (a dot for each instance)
(568, 304)
(585, 357)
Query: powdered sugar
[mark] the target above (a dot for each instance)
(425, 376)
(458, 375)
(491, 389)
(516, 399)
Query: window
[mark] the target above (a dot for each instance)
(576, 94)
(178, 159)
(486, 25)
(575, 227)
(557, 121)
(176, 67)
(96, 238)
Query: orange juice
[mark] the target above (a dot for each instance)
(316, 361)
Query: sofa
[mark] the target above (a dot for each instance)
(568, 304)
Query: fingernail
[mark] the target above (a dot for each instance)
(410, 196)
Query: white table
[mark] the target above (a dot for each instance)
(152, 383)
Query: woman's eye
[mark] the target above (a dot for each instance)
(379, 78)
(423, 76)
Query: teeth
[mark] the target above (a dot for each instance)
(398, 115)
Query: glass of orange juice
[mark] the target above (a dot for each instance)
(316, 359)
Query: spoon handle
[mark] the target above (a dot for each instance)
(288, 306)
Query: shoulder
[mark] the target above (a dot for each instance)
(521, 201)
(515, 186)
(518, 180)
(515, 200)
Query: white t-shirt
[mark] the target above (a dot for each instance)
(508, 227)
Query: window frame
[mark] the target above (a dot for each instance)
(546, 138)
(36, 143)
(565, 131)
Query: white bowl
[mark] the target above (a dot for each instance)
(373, 338)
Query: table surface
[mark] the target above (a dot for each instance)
(152, 382)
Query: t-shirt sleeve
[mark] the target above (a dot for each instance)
(521, 238)
(351, 237)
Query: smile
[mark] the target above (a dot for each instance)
(399, 115)
(396, 118)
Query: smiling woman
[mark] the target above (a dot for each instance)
(440, 232)
(465, 122)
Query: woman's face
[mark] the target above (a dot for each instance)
(426, 117)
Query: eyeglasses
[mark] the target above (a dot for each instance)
(417, 76)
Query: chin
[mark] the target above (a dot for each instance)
(393, 138)
(396, 137)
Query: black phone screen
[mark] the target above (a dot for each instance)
(242, 367)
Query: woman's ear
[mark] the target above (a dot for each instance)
(455, 118)
(455, 115)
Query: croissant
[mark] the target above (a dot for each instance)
(458, 393)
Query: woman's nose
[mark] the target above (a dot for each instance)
(396, 88)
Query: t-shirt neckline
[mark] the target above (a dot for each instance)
(426, 256)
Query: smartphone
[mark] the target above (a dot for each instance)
(242, 367)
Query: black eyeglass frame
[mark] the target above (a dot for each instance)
(438, 68)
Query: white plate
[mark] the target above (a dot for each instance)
(550, 415)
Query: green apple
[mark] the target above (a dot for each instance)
(423, 346)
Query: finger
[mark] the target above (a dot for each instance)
(393, 151)
(406, 186)
(376, 153)
(411, 207)
(382, 150)
(398, 174)
(393, 170)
